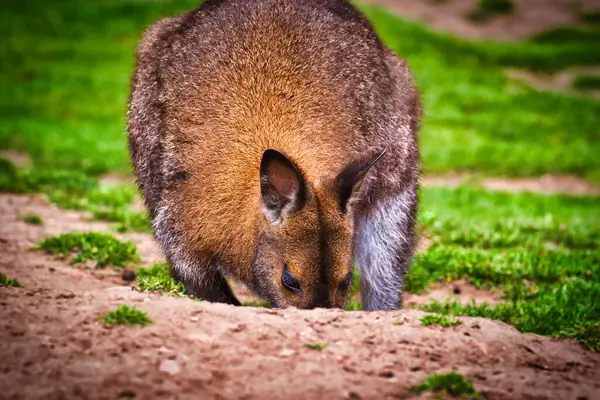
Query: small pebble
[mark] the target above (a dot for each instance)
(386, 374)
(286, 352)
(171, 367)
(456, 289)
(66, 295)
(128, 275)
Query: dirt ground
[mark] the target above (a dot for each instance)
(549, 184)
(529, 16)
(53, 346)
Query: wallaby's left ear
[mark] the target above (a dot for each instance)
(282, 186)
(350, 178)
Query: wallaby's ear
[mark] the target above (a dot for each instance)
(350, 178)
(281, 185)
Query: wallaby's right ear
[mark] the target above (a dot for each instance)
(282, 186)
(353, 174)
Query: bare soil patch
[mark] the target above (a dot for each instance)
(529, 16)
(58, 349)
(547, 184)
(53, 345)
(21, 160)
(559, 82)
(459, 291)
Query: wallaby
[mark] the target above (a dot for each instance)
(275, 143)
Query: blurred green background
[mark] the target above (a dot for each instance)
(66, 65)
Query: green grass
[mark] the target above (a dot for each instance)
(487, 9)
(476, 119)
(157, 278)
(316, 346)
(77, 191)
(64, 79)
(256, 304)
(495, 220)
(438, 319)
(6, 281)
(32, 219)
(569, 34)
(591, 17)
(542, 252)
(451, 383)
(587, 82)
(126, 219)
(354, 297)
(354, 305)
(101, 248)
(64, 187)
(125, 315)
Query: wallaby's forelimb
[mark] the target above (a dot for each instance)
(384, 243)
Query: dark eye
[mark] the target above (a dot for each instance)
(345, 283)
(289, 281)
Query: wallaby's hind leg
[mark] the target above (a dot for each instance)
(210, 286)
(384, 244)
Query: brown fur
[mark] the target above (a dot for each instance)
(216, 87)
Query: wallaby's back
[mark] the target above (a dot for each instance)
(215, 87)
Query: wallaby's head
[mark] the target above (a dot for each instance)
(303, 256)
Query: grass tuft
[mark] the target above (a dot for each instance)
(591, 17)
(78, 191)
(257, 304)
(438, 319)
(487, 9)
(99, 247)
(451, 383)
(587, 82)
(125, 315)
(354, 304)
(588, 335)
(8, 172)
(6, 281)
(32, 219)
(568, 35)
(157, 278)
(354, 298)
(316, 346)
(63, 185)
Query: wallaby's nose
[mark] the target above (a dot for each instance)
(322, 303)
